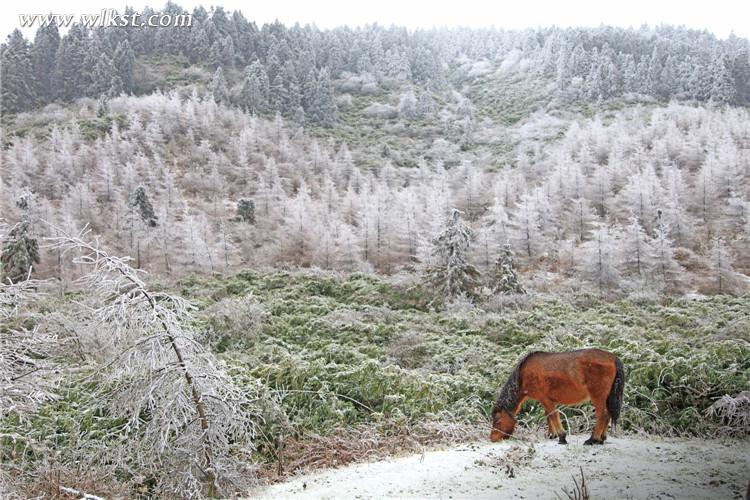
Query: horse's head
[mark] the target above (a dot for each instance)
(503, 424)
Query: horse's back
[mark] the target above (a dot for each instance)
(569, 377)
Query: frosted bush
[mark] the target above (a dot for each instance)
(238, 317)
(732, 412)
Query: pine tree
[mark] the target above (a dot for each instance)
(227, 55)
(407, 107)
(636, 249)
(101, 76)
(453, 274)
(723, 90)
(18, 81)
(198, 44)
(140, 201)
(323, 110)
(20, 252)
(251, 95)
(505, 279)
(426, 106)
(70, 69)
(43, 52)
(245, 211)
(124, 61)
(218, 87)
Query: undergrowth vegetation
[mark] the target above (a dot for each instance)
(356, 365)
(358, 351)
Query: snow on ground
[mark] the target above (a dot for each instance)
(629, 467)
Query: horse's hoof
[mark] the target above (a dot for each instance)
(591, 441)
(562, 441)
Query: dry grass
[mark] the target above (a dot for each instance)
(360, 444)
(579, 491)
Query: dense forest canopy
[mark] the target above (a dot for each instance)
(289, 64)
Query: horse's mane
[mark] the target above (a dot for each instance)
(509, 395)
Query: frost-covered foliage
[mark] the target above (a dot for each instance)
(452, 273)
(286, 68)
(177, 425)
(24, 352)
(505, 279)
(664, 181)
(732, 411)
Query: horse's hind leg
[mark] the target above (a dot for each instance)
(602, 421)
(553, 420)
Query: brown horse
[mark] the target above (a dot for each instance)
(567, 378)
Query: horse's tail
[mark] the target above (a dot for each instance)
(614, 399)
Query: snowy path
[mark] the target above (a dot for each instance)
(627, 467)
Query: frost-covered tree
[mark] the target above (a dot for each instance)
(218, 87)
(20, 252)
(453, 274)
(43, 53)
(598, 263)
(723, 276)
(407, 106)
(141, 202)
(252, 97)
(187, 425)
(504, 277)
(245, 211)
(323, 106)
(666, 267)
(18, 84)
(636, 250)
(20, 248)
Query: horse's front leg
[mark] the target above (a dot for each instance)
(558, 425)
(554, 426)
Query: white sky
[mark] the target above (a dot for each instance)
(718, 16)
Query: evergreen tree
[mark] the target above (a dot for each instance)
(43, 53)
(70, 69)
(20, 252)
(101, 76)
(245, 211)
(18, 81)
(504, 277)
(199, 46)
(141, 202)
(722, 81)
(453, 274)
(124, 61)
(426, 105)
(251, 95)
(323, 110)
(407, 106)
(218, 87)
(259, 71)
(227, 55)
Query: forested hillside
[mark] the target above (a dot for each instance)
(617, 158)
